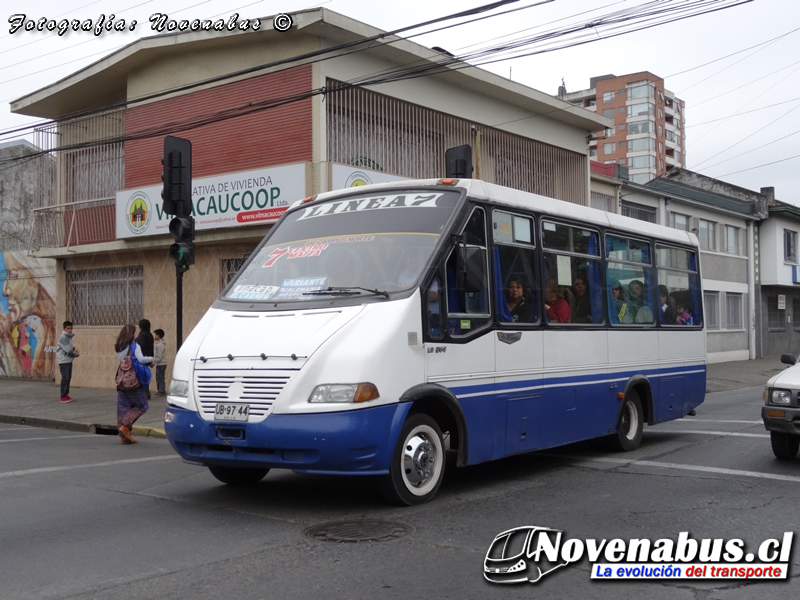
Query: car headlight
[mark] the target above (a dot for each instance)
(344, 392)
(781, 397)
(179, 388)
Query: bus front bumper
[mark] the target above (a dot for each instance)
(355, 442)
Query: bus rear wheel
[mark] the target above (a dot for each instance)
(629, 428)
(417, 467)
(784, 445)
(233, 476)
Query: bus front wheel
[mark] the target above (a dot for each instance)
(233, 476)
(418, 460)
(629, 428)
(784, 445)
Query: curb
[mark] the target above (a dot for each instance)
(96, 428)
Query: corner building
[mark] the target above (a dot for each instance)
(266, 129)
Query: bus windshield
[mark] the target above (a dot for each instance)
(346, 247)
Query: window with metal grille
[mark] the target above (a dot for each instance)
(390, 135)
(638, 211)
(775, 318)
(602, 201)
(733, 311)
(109, 297)
(228, 268)
(711, 305)
(796, 313)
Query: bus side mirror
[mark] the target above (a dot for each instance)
(471, 268)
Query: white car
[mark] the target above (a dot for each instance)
(781, 410)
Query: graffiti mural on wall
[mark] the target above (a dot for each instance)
(27, 316)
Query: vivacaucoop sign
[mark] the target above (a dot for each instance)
(229, 200)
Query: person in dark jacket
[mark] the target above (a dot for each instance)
(145, 341)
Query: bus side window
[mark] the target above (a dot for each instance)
(434, 311)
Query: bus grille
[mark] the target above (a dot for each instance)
(256, 388)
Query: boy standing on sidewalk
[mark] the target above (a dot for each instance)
(66, 353)
(160, 361)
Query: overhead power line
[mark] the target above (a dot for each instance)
(648, 15)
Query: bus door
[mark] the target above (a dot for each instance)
(460, 353)
(517, 340)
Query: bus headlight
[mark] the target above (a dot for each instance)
(344, 392)
(781, 397)
(179, 388)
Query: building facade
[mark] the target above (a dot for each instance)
(266, 129)
(725, 219)
(779, 278)
(649, 123)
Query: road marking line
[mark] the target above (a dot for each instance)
(664, 465)
(734, 433)
(693, 420)
(37, 439)
(109, 463)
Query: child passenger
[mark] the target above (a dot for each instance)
(684, 316)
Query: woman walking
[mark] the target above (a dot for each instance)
(131, 404)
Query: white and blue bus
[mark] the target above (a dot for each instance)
(373, 329)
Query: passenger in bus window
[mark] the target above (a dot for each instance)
(637, 300)
(557, 308)
(624, 314)
(519, 307)
(667, 306)
(684, 315)
(583, 309)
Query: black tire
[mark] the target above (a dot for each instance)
(233, 476)
(418, 462)
(629, 426)
(784, 445)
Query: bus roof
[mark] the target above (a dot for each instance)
(481, 190)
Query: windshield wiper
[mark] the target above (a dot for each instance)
(345, 291)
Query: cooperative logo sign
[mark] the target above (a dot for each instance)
(138, 212)
(527, 554)
(229, 200)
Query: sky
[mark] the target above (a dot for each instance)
(737, 69)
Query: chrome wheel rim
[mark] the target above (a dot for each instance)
(421, 460)
(630, 420)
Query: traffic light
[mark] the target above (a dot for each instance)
(177, 176)
(182, 251)
(458, 162)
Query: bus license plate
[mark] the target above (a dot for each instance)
(232, 412)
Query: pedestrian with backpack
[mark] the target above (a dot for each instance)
(130, 376)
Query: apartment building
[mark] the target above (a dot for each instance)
(648, 133)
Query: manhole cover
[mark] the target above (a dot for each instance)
(358, 531)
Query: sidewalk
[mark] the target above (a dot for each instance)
(94, 410)
(36, 403)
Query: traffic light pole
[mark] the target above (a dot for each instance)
(179, 271)
(177, 201)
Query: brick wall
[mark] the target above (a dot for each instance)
(265, 138)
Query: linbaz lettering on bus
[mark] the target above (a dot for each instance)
(400, 201)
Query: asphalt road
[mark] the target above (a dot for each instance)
(85, 517)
